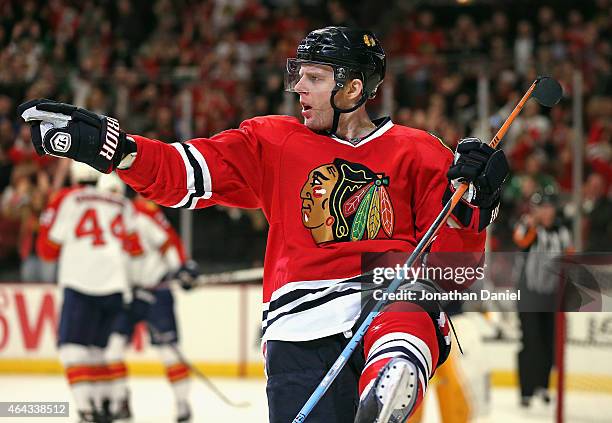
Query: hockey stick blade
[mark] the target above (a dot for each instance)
(547, 91)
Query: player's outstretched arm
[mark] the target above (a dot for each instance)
(174, 175)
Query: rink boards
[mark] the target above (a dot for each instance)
(219, 327)
(220, 330)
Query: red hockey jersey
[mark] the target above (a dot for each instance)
(327, 202)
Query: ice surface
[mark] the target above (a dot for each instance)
(152, 402)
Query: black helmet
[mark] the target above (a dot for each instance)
(352, 53)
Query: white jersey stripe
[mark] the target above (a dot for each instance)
(315, 284)
(189, 200)
(190, 177)
(205, 175)
(419, 344)
(313, 308)
(315, 322)
(401, 344)
(377, 133)
(312, 297)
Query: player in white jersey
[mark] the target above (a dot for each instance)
(85, 229)
(157, 255)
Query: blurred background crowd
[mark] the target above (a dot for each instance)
(178, 69)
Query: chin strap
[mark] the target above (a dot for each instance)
(338, 111)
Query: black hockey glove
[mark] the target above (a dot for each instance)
(187, 274)
(141, 301)
(64, 130)
(485, 169)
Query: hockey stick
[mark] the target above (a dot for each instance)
(234, 276)
(157, 334)
(230, 277)
(547, 92)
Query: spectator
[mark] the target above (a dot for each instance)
(33, 268)
(598, 209)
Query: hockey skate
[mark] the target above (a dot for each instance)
(105, 412)
(93, 417)
(392, 396)
(124, 413)
(184, 413)
(87, 417)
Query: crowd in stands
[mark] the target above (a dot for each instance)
(178, 69)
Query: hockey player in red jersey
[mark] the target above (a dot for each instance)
(333, 187)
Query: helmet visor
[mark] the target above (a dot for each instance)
(303, 76)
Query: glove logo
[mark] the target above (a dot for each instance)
(61, 141)
(112, 139)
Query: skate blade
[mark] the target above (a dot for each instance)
(405, 376)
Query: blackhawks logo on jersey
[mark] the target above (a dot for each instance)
(344, 201)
